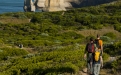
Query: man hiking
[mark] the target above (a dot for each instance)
(99, 45)
(88, 54)
(97, 60)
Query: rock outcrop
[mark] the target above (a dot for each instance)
(50, 5)
(59, 5)
(29, 5)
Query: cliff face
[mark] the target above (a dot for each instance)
(59, 5)
(29, 5)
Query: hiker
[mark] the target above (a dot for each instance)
(99, 45)
(98, 60)
(88, 54)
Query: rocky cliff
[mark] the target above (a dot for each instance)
(60, 5)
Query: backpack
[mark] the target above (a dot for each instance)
(96, 54)
(91, 47)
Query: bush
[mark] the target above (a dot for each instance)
(105, 57)
(106, 38)
(7, 53)
(88, 38)
(110, 35)
(117, 27)
(71, 35)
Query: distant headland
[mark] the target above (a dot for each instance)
(59, 5)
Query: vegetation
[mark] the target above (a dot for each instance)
(52, 41)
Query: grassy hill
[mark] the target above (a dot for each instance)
(54, 42)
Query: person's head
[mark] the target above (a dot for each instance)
(91, 40)
(98, 36)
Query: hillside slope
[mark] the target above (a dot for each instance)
(53, 43)
(100, 31)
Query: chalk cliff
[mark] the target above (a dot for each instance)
(29, 5)
(59, 5)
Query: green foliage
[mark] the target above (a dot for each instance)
(88, 38)
(113, 49)
(110, 35)
(58, 61)
(6, 53)
(116, 66)
(71, 35)
(117, 27)
(106, 39)
(55, 40)
(105, 57)
(18, 15)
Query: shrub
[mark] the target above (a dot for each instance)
(69, 67)
(114, 65)
(117, 27)
(110, 35)
(71, 35)
(88, 38)
(105, 57)
(7, 53)
(106, 38)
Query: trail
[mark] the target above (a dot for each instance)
(103, 71)
(83, 72)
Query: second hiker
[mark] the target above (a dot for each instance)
(89, 53)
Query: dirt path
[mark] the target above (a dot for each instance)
(103, 71)
(84, 72)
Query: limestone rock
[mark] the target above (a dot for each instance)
(29, 5)
(59, 5)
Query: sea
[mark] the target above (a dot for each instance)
(7, 6)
